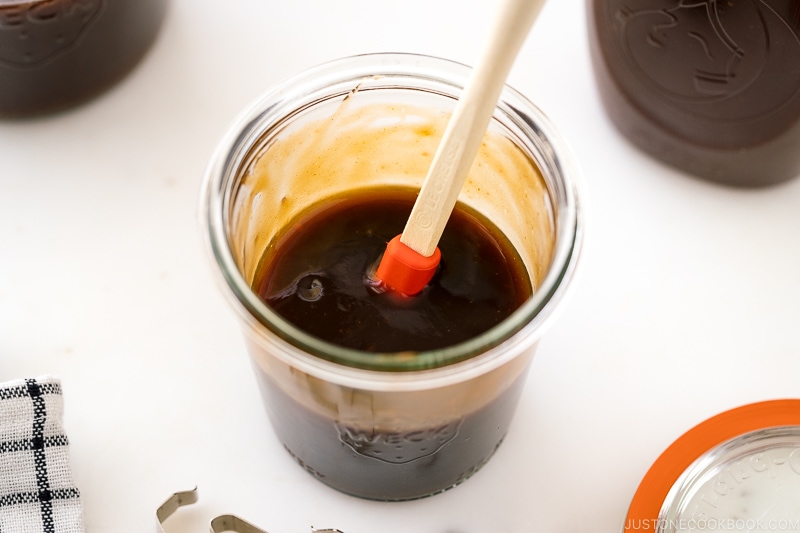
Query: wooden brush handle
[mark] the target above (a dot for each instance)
(467, 126)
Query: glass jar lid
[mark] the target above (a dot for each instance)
(738, 471)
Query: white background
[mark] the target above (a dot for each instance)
(688, 302)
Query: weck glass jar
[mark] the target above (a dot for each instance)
(55, 54)
(712, 88)
(400, 425)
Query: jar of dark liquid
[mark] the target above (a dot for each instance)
(407, 420)
(57, 53)
(710, 87)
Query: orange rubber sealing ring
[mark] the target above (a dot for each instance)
(405, 270)
(649, 497)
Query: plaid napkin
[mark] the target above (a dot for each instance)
(37, 493)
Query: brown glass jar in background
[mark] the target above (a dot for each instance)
(710, 87)
(57, 53)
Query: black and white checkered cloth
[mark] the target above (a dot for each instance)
(37, 492)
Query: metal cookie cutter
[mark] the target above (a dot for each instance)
(220, 524)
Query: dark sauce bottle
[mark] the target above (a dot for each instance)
(710, 87)
(55, 54)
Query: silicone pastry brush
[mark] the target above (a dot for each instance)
(411, 259)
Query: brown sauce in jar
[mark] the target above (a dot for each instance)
(390, 462)
(710, 87)
(317, 277)
(58, 53)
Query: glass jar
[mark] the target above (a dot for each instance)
(58, 53)
(712, 88)
(388, 426)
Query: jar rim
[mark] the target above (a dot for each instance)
(564, 189)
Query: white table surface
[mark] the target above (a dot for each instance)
(688, 303)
